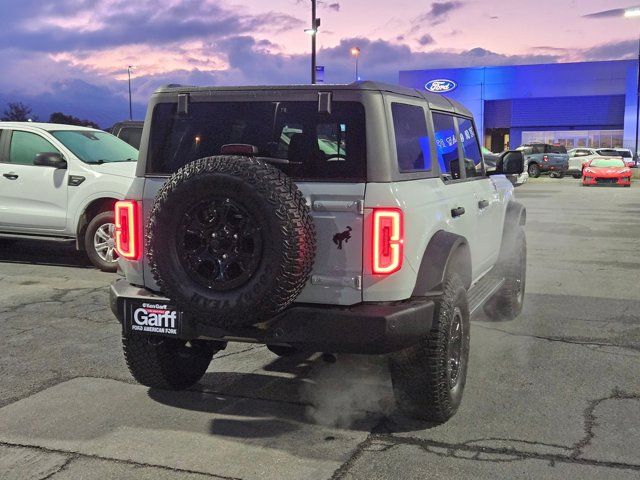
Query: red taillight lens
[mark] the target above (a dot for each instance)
(545, 158)
(388, 240)
(127, 229)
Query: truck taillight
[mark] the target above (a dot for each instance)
(127, 229)
(388, 240)
(545, 158)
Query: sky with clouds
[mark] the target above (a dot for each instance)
(73, 55)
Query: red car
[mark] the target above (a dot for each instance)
(606, 171)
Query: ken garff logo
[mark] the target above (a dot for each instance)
(441, 85)
(338, 238)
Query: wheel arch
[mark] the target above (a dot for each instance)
(445, 252)
(515, 216)
(93, 208)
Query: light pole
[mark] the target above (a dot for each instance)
(129, 75)
(355, 51)
(313, 31)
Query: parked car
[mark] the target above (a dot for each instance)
(128, 130)
(387, 251)
(607, 171)
(491, 160)
(580, 157)
(629, 158)
(60, 183)
(545, 158)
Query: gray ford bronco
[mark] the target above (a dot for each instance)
(337, 218)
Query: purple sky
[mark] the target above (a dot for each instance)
(72, 55)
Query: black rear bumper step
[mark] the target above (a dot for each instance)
(366, 328)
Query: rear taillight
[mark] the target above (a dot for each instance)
(127, 229)
(545, 158)
(388, 240)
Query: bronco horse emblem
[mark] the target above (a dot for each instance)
(338, 238)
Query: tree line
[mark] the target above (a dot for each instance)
(19, 112)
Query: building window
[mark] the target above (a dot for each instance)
(576, 138)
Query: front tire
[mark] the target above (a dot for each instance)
(509, 300)
(166, 363)
(534, 170)
(577, 175)
(429, 378)
(99, 242)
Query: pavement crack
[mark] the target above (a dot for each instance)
(76, 455)
(570, 341)
(590, 420)
(469, 451)
(62, 467)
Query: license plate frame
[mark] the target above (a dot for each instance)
(153, 318)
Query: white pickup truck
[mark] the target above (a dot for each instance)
(370, 227)
(60, 182)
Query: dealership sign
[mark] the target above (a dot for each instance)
(441, 85)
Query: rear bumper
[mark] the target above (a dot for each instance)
(546, 167)
(365, 328)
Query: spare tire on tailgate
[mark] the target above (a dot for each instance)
(230, 240)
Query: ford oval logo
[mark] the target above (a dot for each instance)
(441, 85)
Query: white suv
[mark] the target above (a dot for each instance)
(60, 183)
(384, 243)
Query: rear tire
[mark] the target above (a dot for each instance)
(507, 303)
(166, 363)
(534, 170)
(99, 242)
(428, 378)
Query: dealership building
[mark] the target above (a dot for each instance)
(573, 104)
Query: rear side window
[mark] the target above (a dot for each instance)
(303, 143)
(470, 148)
(26, 145)
(412, 138)
(446, 145)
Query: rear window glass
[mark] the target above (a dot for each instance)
(303, 143)
(555, 149)
(412, 138)
(608, 152)
(131, 135)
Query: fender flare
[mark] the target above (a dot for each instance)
(515, 216)
(445, 252)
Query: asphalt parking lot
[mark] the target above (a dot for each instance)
(552, 394)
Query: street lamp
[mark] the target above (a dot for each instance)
(129, 68)
(313, 31)
(355, 51)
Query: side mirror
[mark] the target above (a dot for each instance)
(509, 163)
(50, 159)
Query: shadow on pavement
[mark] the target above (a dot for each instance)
(258, 405)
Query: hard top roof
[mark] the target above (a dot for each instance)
(436, 101)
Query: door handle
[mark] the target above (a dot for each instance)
(456, 212)
(482, 204)
(10, 176)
